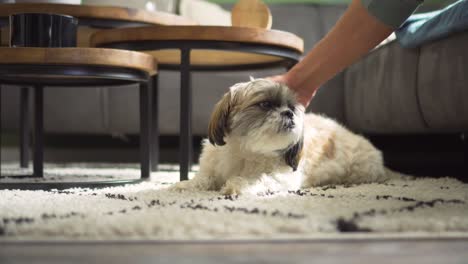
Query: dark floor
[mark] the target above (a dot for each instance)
(425, 155)
(381, 252)
(420, 155)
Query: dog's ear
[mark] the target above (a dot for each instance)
(218, 126)
(294, 153)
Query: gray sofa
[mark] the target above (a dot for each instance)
(411, 104)
(408, 91)
(390, 91)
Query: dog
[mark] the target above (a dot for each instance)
(259, 131)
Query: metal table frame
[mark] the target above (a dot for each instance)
(289, 58)
(82, 21)
(32, 75)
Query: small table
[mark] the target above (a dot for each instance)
(204, 48)
(96, 16)
(90, 19)
(83, 67)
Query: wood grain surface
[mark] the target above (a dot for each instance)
(251, 14)
(314, 251)
(97, 12)
(216, 33)
(204, 33)
(79, 56)
(90, 12)
(213, 57)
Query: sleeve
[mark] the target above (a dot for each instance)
(391, 12)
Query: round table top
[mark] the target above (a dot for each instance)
(270, 38)
(97, 12)
(80, 57)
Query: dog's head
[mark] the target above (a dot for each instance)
(261, 116)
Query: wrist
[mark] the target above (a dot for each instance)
(304, 90)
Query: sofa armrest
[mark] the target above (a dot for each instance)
(329, 99)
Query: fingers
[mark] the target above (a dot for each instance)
(277, 78)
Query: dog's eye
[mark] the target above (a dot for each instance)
(265, 105)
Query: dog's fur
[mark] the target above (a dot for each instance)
(259, 131)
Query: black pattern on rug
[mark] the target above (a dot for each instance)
(149, 210)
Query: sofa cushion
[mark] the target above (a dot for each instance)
(380, 92)
(74, 110)
(9, 111)
(329, 99)
(443, 84)
(66, 110)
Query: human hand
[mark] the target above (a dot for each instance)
(278, 78)
(303, 96)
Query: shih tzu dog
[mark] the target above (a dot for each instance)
(259, 132)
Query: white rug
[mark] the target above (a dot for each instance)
(420, 208)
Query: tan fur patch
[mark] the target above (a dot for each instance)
(299, 156)
(329, 147)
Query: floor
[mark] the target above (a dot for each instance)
(419, 155)
(386, 251)
(422, 251)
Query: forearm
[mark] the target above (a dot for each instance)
(355, 33)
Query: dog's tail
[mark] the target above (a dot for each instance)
(394, 175)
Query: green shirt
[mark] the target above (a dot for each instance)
(391, 12)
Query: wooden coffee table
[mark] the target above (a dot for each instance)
(90, 19)
(82, 67)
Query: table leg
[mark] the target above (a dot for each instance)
(0, 130)
(145, 130)
(185, 147)
(155, 123)
(38, 131)
(24, 127)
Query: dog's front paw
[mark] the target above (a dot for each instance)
(231, 189)
(181, 186)
(234, 186)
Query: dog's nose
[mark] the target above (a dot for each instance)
(288, 113)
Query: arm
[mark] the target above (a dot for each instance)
(355, 33)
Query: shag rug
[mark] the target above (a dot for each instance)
(425, 207)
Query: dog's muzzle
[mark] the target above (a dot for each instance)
(288, 125)
(287, 120)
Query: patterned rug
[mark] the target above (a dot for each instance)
(424, 207)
